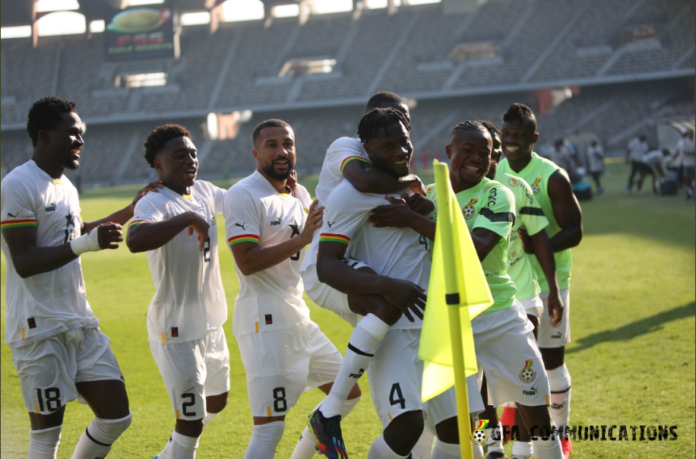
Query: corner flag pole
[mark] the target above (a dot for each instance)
(453, 300)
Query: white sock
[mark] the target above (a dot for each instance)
(559, 383)
(478, 451)
(364, 341)
(264, 440)
(424, 446)
(306, 445)
(447, 450)
(182, 446)
(208, 418)
(547, 449)
(98, 437)
(380, 450)
(166, 452)
(491, 442)
(522, 450)
(43, 444)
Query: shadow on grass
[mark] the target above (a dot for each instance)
(635, 329)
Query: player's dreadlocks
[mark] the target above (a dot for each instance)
(519, 112)
(379, 118)
(468, 126)
(159, 136)
(45, 114)
(492, 128)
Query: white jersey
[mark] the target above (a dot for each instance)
(52, 302)
(686, 148)
(400, 253)
(654, 158)
(340, 153)
(255, 212)
(637, 149)
(189, 299)
(596, 158)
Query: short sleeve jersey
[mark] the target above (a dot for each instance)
(637, 149)
(653, 158)
(189, 299)
(531, 217)
(399, 253)
(340, 153)
(491, 206)
(51, 302)
(596, 156)
(255, 212)
(537, 174)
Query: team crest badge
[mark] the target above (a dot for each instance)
(527, 374)
(479, 435)
(469, 210)
(513, 181)
(535, 186)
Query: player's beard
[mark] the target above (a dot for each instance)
(271, 172)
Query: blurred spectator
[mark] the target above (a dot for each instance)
(595, 156)
(652, 162)
(563, 157)
(635, 151)
(686, 148)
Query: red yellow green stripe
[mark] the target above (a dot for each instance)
(482, 424)
(528, 364)
(17, 223)
(351, 158)
(328, 237)
(243, 238)
(136, 222)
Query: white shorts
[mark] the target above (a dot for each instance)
(558, 336)
(508, 353)
(281, 364)
(49, 368)
(396, 376)
(533, 306)
(327, 297)
(192, 371)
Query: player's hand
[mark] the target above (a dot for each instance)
(109, 235)
(200, 226)
(418, 186)
(408, 298)
(315, 219)
(555, 305)
(419, 204)
(395, 215)
(151, 188)
(292, 182)
(526, 240)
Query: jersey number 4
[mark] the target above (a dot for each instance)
(396, 397)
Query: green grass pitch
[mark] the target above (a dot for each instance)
(631, 358)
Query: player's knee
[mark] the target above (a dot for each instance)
(110, 429)
(190, 428)
(216, 403)
(447, 431)
(535, 417)
(408, 427)
(553, 357)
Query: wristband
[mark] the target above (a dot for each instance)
(86, 243)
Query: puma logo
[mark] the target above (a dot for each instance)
(331, 223)
(241, 226)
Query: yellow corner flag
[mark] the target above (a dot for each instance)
(457, 293)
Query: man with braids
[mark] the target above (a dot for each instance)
(552, 188)
(346, 158)
(505, 347)
(282, 350)
(401, 264)
(529, 217)
(186, 314)
(57, 347)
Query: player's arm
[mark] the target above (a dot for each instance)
(30, 259)
(368, 179)
(122, 216)
(400, 214)
(566, 210)
(251, 258)
(544, 253)
(153, 235)
(405, 295)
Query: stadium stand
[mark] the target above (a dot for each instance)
(630, 64)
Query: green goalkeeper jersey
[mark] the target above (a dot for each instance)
(490, 205)
(537, 174)
(531, 217)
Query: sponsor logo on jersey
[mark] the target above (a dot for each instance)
(269, 319)
(331, 223)
(556, 335)
(512, 181)
(479, 435)
(535, 186)
(358, 374)
(175, 332)
(469, 210)
(241, 225)
(32, 322)
(276, 222)
(12, 216)
(51, 207)
(531, 391)
(527, 374)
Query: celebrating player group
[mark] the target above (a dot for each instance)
(369, 234)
